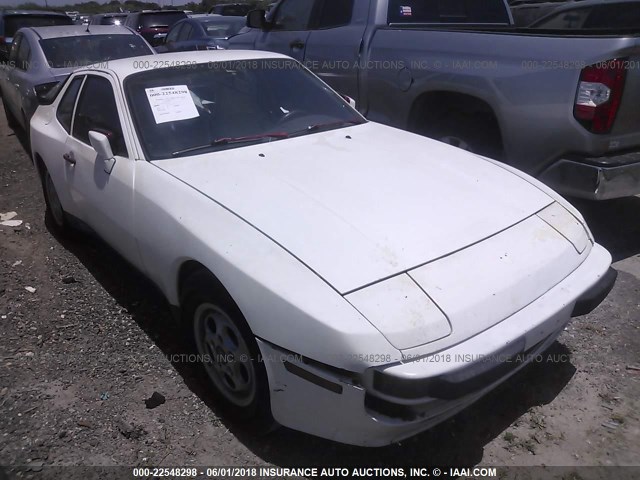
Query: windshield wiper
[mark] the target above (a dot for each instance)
(231, 140)
(318, 127)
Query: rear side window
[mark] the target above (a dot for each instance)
(173, 33)
(65, 107)
(335, 13)
(151, 20)
(609, 16)
(24, 55)
(185, 33)
(448, 11)
(97, 111)
(12, 23)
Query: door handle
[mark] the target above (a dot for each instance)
(68, 157)
(299, 44)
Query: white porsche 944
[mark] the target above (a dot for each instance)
(338, 277)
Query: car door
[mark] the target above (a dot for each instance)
(9, 89)
(333, 46)
(19, 79)
(290, 28)
(56, 156)
(105, 197)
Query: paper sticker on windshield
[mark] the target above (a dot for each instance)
(405, 11)
(171, 104)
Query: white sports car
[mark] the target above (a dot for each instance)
(343, 278)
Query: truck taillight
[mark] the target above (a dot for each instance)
(599, 94)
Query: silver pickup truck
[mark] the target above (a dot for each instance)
(562, 106)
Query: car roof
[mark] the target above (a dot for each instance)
(79, 30)
(32, 12)
(112, 14)
(128, 66)
(218, 18)
(155, 12)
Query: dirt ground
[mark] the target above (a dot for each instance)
(81, 353)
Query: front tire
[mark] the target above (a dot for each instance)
(227, 350)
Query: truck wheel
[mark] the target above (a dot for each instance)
(475, 133)
(227, 351)
(11, 119)
(54, 208)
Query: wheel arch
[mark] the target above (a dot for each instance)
(432, 105)
(190, 267)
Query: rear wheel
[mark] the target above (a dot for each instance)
(54, 208)
(474, 133)
(227, 350)
(11, 119)
(27, 131)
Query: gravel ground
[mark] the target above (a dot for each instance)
(81, 353)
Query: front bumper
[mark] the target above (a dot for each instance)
(598, 178)
(422, 392)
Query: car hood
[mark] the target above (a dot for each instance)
(364, 203)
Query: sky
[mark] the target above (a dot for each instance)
(58, 3)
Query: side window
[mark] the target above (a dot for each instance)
(64, 113)
(335, 13)
(173, 34)
(566, 20)
(97, 111)
(293, 15)
(185, 33)
(24, 54)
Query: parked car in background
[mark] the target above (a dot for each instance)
(108, 19)
(73, 15)
(153, 25)
(209, 32)
(314, 257)
(232, 9)
(13, 20)
(42, 57)
(83, 19)
(562, 108)
(611, 15)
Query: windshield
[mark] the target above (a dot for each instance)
(224, 28)
(160, 19)
(70, 52)
(15, 22)
(208, 107)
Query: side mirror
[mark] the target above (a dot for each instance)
(101, 144)
(349, 100)
(256, 19)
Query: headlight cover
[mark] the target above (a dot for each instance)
(562, 221)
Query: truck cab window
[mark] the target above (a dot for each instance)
(293, 15)
(335, 13)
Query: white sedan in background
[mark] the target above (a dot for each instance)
(341, 277)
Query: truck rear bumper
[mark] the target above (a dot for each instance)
(601, 178)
